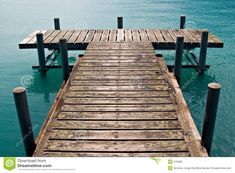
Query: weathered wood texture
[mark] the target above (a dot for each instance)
(79, 39)
(121, 104)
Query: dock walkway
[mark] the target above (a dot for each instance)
(120, 100)
(160, 38)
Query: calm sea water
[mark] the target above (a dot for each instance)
(19, 18)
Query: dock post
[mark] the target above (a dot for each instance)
(24, 120)
(210, 115)
(179, 49)
(203, 50)
(41, 52)
(120, 22)
(64, 56)
(57, 23)
(182, 22)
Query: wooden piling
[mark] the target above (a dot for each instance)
(64, 56)
(179, 49)
(203, 51)
(210, 115)
(41, 52)
(120, 22)
(24, 120)
(182, 22)
(57, 23)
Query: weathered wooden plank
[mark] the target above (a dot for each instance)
(120, 51)
(214, 38)
(135, 35)
(134, 58)
(124, 45)
(132, 86)
(127, 60)
(166, 36)
(151, 35)
(128, 35)
(116, 135)
(120, 57)
(112, 101)
(82, 36)
(105, 36)
(124, 65)
(116, 72)
(68, 34)
(189, 35)
(34, 39)
(117, 53)
(120, 125)
(137, 45)
(133, 64)
(47, 34)
(115, 154)
(116, 116)
(173, 34)
(124, 108)
(74, 37)
(143, 35)
(120, 35)
(199, 32)
(196, 35)
(180, 33)
(113, 35)
(117, 77)
(213, 41)
(123, 80)
(120, 94)
(117, 82)
(122, 71)
(58, 37)
(111, 68)
(111, 146)
(97, 36)
(52, 36)
(89, 36)
(28, 38)
(158, 35)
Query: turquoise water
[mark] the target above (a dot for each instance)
(19, 18)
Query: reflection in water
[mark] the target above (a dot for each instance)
(46, 83)
(49, 82)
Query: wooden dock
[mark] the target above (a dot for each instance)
(120, 99)
(160, 38)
